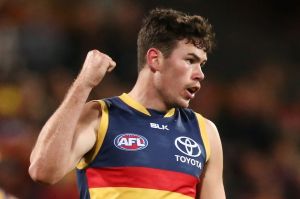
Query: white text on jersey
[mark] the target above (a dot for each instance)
(157, 126)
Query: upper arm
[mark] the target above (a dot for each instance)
(211, 186)
(86, 132)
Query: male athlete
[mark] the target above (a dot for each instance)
(145, 144)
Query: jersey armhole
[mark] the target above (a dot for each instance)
(203, 133)
(102, 130)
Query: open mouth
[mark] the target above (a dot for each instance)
(192, 90)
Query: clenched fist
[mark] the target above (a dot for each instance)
(95, 66)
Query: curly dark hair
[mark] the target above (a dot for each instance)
(163, 28)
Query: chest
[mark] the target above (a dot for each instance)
(171, 144)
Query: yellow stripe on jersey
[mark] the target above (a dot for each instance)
(202, 126)
(170, 113)
(130, 193)
(130, 102)
(139, 107)
(100, 137)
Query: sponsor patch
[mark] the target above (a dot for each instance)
(187, 146)
(130, 142)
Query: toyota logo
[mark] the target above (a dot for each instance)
(187, 146)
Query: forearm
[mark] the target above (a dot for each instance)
(60, 144)
(51, 154)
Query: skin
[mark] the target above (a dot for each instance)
(211, 185)
(165, 80)
(163, 83)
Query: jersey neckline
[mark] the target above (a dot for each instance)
(139, 107)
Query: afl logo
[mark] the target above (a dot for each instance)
(130, 142)
(187, 146)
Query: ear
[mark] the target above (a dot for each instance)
(153, 59)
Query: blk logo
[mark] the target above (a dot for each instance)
(187, 146)
(130, 142)
(157, 126)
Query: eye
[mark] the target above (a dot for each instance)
(190, 60)
(202, 64)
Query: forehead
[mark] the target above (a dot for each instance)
(184, 47)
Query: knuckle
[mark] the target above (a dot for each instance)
(95, 51)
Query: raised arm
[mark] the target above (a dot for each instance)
(71, 131)
(211, 186)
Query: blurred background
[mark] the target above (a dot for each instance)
(251, 90)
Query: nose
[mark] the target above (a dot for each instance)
(198, 74)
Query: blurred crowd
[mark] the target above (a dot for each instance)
(256, 106)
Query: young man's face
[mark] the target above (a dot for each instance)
(180, 74)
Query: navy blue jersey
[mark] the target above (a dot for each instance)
(143, 153)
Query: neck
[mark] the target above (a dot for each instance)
(146, 94)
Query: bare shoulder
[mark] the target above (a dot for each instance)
(86, 130)
(211, 126)
(90, 115)
(215, 145)
(92, 109)
(212, 133)
(212, 178)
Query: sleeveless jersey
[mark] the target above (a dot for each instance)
(144, 154)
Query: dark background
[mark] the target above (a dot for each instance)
(251, 90)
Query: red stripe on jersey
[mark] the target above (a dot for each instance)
(141, 177)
